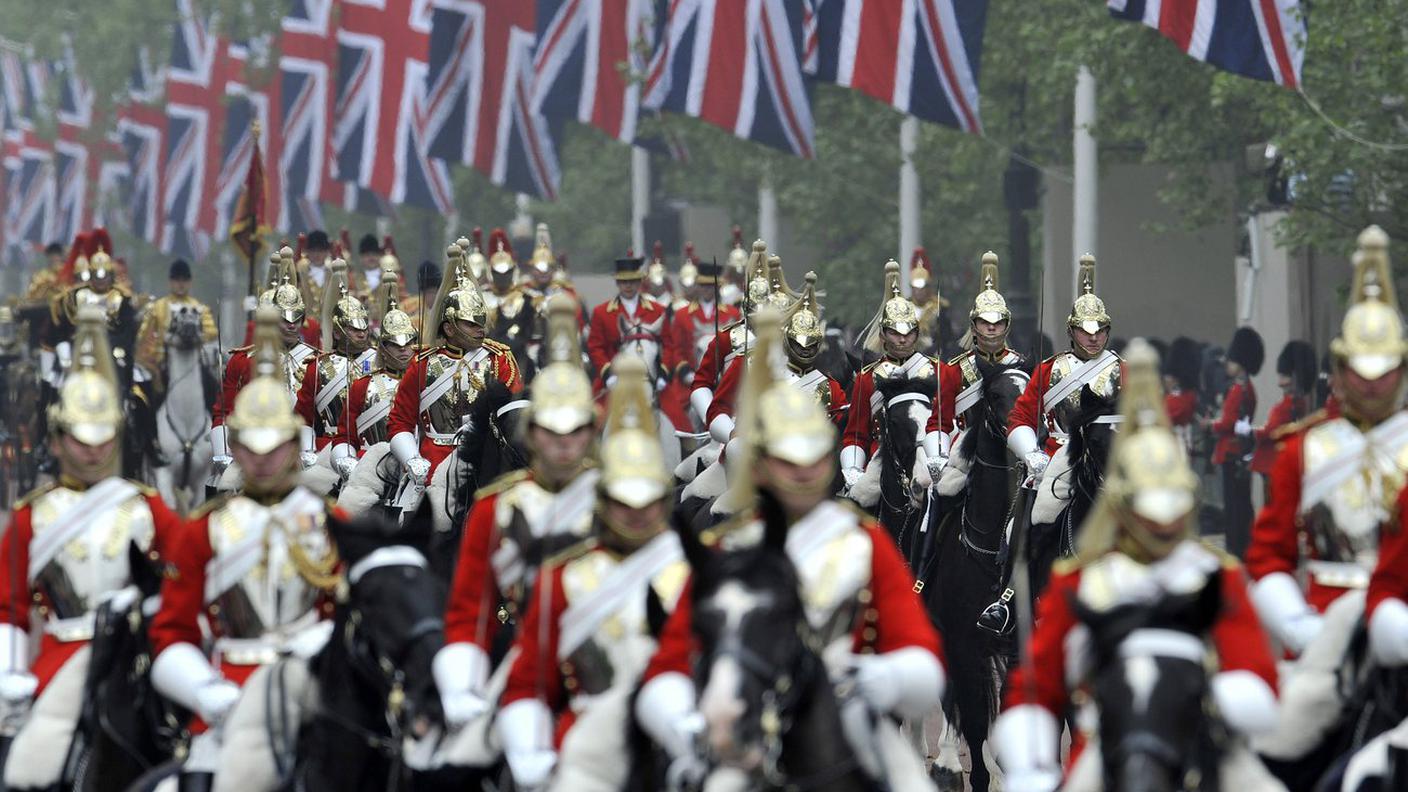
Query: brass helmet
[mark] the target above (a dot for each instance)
(990, 305)
(689, 268)
(100, 263)
(474, 254)
(780, 295)
(263, 417)
(655, 272)
(342, 311)
(283, 292)
(738, 257)
(633, 468)
(1088, 311)
(459, 297)
(543, 260)
(1148, 476)
(920, 271)
(89, 407)
(501, 261)
(396, 325)
(388, 261)
(560, 398)
(1371, 341)
(757, 284)
(802, 328)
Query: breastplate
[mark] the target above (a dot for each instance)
(296, 367)
(622, 645)
(381, 390)
(331, 367)
(1106, 383)
(447, 414)
(835, 585)
(529, 533)
(1344, 525)
(274, 593)
(94, 562)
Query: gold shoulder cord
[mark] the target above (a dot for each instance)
(321, 574)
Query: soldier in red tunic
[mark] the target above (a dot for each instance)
(732, 339)
(1295, 374)
(66, 552)
(369, 404)
(1136, 548)
(1233, 430)
(347, 357)
(846, 564)
(435, 394)
(631, 321)
(257, 567)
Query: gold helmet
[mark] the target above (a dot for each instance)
(738, 257)
(89, 407)
(1088, 311)
(655, 272)
(1371, 341)
(396, 325)
(100, 263)
(990, 305)
(633, 468)
(896, 312)
(501, 261)
(802, 328)
(283, 292)
(342, 311)
(780, 295)
(474, 254)
(757, 283)
(459, 297)
(560, 398)
(263, 417)
(543, 260)
(388, 261)
(1148, 476)
(920, 271)
(689, 268)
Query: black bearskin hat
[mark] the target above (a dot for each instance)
(1297, 361)
(1247, 350)
(1184, 362)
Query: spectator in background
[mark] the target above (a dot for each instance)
(1233, 432)
(1295, 375)
(1181, 367)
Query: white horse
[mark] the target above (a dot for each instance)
(183, 420)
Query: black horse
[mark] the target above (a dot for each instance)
(963, 574)
(907, 405)
(779, 719)
(1160, 737)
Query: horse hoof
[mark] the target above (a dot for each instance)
(946, 779)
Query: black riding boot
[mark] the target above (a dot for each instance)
(195, 782)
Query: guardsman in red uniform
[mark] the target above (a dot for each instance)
(518, 521)
(1182, 372)
(960, 381)
(1335, 482)
(1136, 548)
(1051, 402)
(257, 568)
(239, 369)
(630, 322)
(894, 334)
(327, 383)
(587, 637)
(1233, 430)
(802, 337)
(696, 324)
(369, 405)
(861, 606)
(66, 552)
(440, 385)
(1295, 374)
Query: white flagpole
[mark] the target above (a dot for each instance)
(640, 197)
(767, 213)
(1085, 198)
(910, 230)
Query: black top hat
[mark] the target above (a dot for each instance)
(318, 240)
(180, 270)
(368, 244)
(630, 268)
(708, 272)
(429, 275)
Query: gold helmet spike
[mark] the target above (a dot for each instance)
(474, 255)
(1148, 476)
(737, 254)
(396, 325)
(341, 309)
(1088, 311)
(543, 260)
(1371, 341)
(802, 326)
(263, 417)
(560, 398)
(757, 283)
(283, 293)
(633, 468)
(990, 305)
(89, 408)
(780, 295)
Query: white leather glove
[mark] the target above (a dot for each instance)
(307, 456)
(1026, 738)
(17, 685)
(220, 448)
(525, 729)
(1245, 701)
(1285, 613)
(1022, 442)
(721, 428)
(407, 452)
(1036, 463)
(183, 674)
(665, 709)
(1243, 427)
(908, 681)
(1388, 633)
(936, 448)
(343, 460)
(700, 399)
(419, 468)
(17, 688)
(852, 464)
(214, 700)
(461, 671)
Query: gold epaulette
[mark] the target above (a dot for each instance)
(425, 353)
(142, 489)
(496, 347)
(211, 505)
(33, 494)
(1295, 427)
(502, 483)
(572, 553)
(957, 359)
(872, 364)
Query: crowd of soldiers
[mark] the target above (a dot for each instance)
(691, 519)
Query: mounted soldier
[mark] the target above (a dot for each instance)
(633, 322)
(347, 357)
(695, 325)
(369, 403)
(173, 319)
(69, 549)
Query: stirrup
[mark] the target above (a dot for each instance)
(997, 617)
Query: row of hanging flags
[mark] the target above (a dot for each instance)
(367, 103)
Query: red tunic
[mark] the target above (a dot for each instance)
(1237, 637)
(606, 339)
(406, 415)
(862, 425)
(1240, 402)
(1289, 409)
(1390, 578)
(537, 642)
(239, 370)
(712, 362)
(20, 596)
(1027, 411)
(306, 405)
(1181, 406)
(727, 394)
(899, 617)
(471, 612)
(690, 324)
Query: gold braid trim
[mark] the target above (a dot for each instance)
(321, 574)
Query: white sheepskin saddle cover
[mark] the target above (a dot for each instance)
(36, 758)
(246, 761)
(1054, 492)
(363, 489)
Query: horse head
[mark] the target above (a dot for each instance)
(1150, 682)
(184, 330)
(1003, 384)
(757, 666)
(907, 403)
(390, 618)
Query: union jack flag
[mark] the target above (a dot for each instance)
(587, 52)
(1261, 39)
(738, 65)
(30, 210)
(242, 109)
(921, 56)
(479, 95)
(194, 113)
(301, 102)
(74, 167)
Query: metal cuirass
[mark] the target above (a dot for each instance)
(446, 416)
(296, 366)
(1343, 526)
(380, 391)
(528, 533)
(94, 562)
(1106, 383)
(331, 406)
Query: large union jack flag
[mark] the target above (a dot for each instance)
(1261, 39)
(479, 95)
(194, 112)
(588, 55)
(300, 101)
(921, 56)
(736, 64)
(74, 166)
